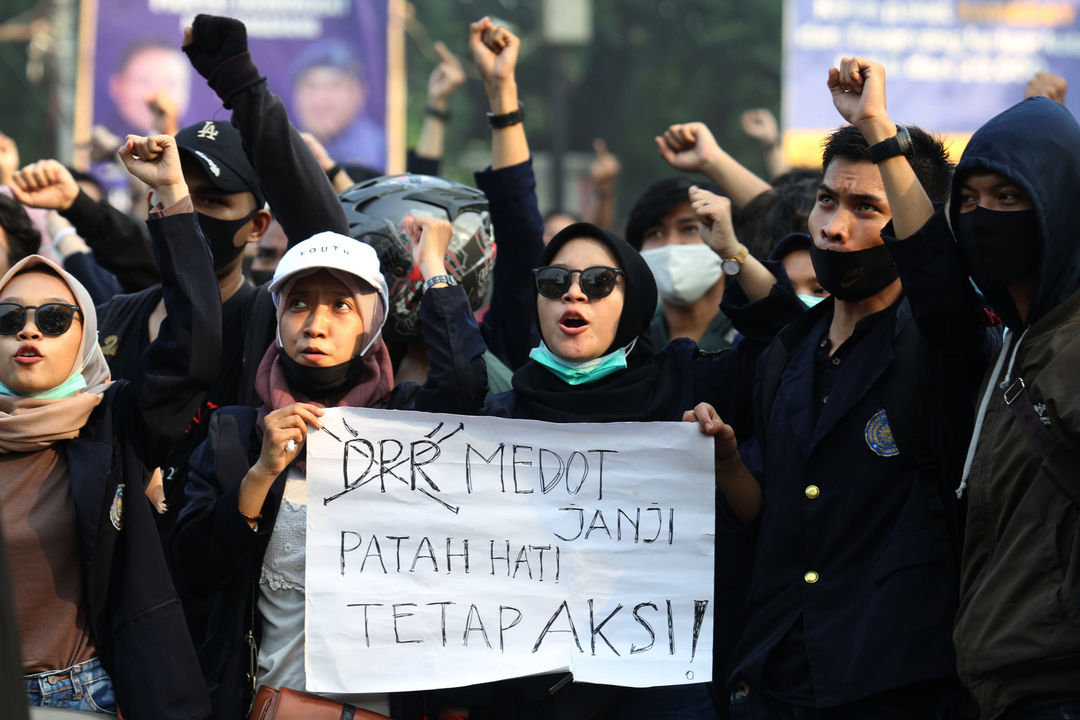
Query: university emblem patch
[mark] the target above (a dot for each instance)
(116, 511)
(879, 435)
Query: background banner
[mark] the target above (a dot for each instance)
(950, 65)
(327, 59)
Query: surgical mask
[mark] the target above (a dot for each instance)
(684, 273)
(586, 371)
(75, 383)
(810, 300)
(854, 275)
(219, 236)
(1001, 246)
(322, 382)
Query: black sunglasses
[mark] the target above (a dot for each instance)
(598, 281)
(51, 318)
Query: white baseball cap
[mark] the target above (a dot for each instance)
(341, 255)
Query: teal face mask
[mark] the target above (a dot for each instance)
(75, 383)
(810, 300)
(586, 371)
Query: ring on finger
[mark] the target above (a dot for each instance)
(290, 446)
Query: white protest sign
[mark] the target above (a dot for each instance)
(445, 550)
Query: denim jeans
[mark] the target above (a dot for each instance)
(85, 687)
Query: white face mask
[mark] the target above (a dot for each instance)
(810, 300)
(684, 273)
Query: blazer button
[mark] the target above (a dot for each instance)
(812, 492)
(811, 577)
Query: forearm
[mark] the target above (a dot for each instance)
(116, 240)
(300, 194)
(774, 160)
(252, 496)
(735, 180)
(739, 487)
(173, 374)
(908, 201)
(432, 139)
(509, 145)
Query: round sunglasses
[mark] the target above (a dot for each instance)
(51, 318)
(597, 282)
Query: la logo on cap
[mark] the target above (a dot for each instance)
(208, 131)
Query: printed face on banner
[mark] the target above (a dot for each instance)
(447, 550)
(326, 60)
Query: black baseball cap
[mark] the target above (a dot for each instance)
(219, 150)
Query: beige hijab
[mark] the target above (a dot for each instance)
(30, 424)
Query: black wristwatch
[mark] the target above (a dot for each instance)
(899, 144)
(506, 119)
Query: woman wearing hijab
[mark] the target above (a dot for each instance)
(241, 533)
(595, 300)
(102, 630)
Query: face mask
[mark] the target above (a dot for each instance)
(810, 300)
(322, 382)
(684, 273)
(1001, 246)
(587, 371)
(75, 383)
(219, 236)
(854, 275)
(260, 277)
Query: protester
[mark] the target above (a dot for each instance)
(1009, 225)
(102, 629)
(242, 529)
(377, 208)
(860, 425)
(595, 299)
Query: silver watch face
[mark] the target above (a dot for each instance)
(731, 266)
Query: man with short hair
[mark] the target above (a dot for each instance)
(1013, 214)
(689, 278)
(858, 421)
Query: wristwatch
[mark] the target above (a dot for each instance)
(899, 144)
(732, 265)
(448, 279)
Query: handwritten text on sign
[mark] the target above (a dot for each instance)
(446, 550)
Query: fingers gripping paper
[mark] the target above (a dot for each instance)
(446, 550)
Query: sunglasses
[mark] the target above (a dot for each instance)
(51, 318)
(596, 282)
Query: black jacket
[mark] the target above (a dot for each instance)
(138, 623)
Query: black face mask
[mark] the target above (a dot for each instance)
(260, 277)
(854, 275)
(219, 236)
(322, 382)
(1001, 246)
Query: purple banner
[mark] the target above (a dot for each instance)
(325, 58)
(950, 64)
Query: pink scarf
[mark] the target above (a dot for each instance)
(274, 390)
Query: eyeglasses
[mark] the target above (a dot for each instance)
(51, 318)
(597, 282)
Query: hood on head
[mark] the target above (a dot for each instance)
(1036, 144)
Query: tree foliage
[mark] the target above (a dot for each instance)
(651, 63)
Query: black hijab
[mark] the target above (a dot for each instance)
(639, 392)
